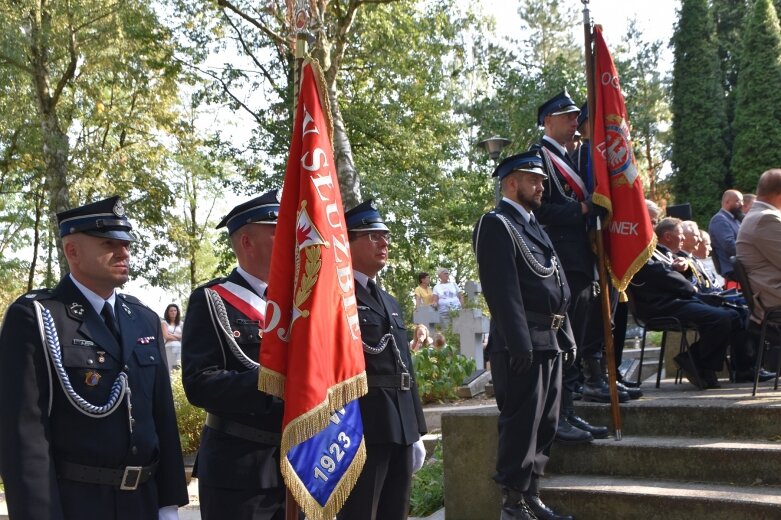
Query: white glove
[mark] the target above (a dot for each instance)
(168, 513)
(418, 455)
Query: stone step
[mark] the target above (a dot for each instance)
(682, 410)
(697, 459)
(600, 498)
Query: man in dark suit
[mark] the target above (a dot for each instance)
(527, 294)
(661, 288)
(723, 229)
(393, 420)
(87, 422)
(565, 213)
(238, 459)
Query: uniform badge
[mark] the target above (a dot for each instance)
(236, 333)
(119, 209)
(126, 308)
(146, 340)
(83, 342)
(567, 188)
(101, 356)
(92, 378)
(76, 309)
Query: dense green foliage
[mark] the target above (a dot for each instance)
(439, 372)
(758, 110)
(699, 152)
(428, 486)
(189, 418)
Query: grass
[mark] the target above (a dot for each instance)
(428, 487)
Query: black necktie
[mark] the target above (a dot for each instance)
(111, 321)
(374, 291)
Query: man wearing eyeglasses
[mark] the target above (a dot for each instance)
(393, 419)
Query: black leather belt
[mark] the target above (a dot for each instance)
(242, 431)
(400, 381)
(551, 321)
(127, 478)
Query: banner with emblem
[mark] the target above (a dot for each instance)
(629, 237)
(312, 355)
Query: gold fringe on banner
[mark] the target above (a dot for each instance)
(310, 506)
(307, 426)
(638, 263)
(271, 382)
(322, 91)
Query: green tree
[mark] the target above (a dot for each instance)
(646, 96)
(699, 152)
(758, 110)
(99, 84)
(729, 16)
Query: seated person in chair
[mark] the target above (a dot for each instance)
(759, 244)
(743, 352)
(661, 288)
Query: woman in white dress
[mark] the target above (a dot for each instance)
(172, 333)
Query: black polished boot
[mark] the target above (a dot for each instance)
(541, 511)
(514, 507)
(568, 434)
(633, 392)
(598, 432)
(595, 387)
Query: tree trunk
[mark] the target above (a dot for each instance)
(36, 239)
(55, 156)
(349, 182)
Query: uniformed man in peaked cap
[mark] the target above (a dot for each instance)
(530, 336)
(87, 423)
(393, 421)
(565, 213)
(238, 460)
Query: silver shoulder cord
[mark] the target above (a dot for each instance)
(119, 390)
(382, 345)
(531, 262)
(217, 308)
(553, 174)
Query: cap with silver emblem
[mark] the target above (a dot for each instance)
(105, 218)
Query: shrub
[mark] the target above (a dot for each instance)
(439, 372)
(428, 488)
(189, 418)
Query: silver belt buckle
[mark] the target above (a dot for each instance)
(405, 381)
(557, 321)
(131, 478)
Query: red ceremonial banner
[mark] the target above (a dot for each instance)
(629, 237)
(311, 354)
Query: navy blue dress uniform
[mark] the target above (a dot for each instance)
(237, 465)
(392, 414)
(528, 295)
(659, 290)
(88, 428)
(568, 229)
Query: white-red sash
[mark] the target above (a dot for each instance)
(572, 178)
(246, 301)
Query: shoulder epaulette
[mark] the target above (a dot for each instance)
(37, 294)
(213, 282)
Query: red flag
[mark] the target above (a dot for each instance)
(312, 354)
(629, 237)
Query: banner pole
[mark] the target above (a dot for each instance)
(603, 276)
(300, 26)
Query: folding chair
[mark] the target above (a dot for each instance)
(772, 318)
(663, 324)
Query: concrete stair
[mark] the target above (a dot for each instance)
(685, 454)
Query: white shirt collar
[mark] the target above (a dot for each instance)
(94, 299)
(361, 278)
(556, 144)
(258, 285)
(525, 214)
